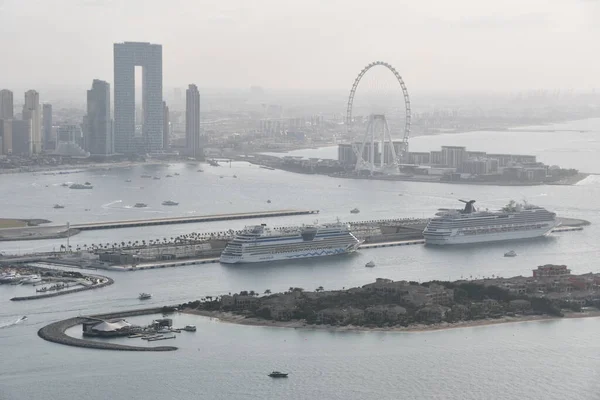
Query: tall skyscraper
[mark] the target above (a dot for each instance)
(97, 126)
(6, 134)
(47, 126)
(127, 56)
(6, 104)
(32, 112)
(192, 120)
(21, 137)
(166, 130)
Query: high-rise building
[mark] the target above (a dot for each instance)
(166, 130)
(6, 104)
(97, 126)
(47, 125)
(192, 120)
(32, 112)
(127, 56)
(21, 137)
(6, 134)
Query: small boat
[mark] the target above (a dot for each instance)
(59, 206)
(176, 174)
(64, 184)
(164, 329)
(355, 211)
(269, 168)
(235, 176)
(190, 328)
(128, 180)
(148, 337)
(140, 205)
(277, 374)
(169, 176)
(161, 338)
(370, 264)
(80, 186)
(510, 254)
(170, 203)
(146, 176)
(145, 296)
(200, 170)
(221, 176)
(156, 178)
(269, 201)
(87, 183)
(136, 335)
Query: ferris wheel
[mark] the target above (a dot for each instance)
(368, 155)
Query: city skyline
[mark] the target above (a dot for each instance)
(520, 46)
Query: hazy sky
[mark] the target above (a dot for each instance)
(434, 44)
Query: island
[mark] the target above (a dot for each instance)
(552, 292)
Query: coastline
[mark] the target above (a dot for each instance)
(76, 168)
(228, 317)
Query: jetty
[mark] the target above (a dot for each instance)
(55, 332)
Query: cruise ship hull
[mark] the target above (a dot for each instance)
(488, 237)
(307, 253)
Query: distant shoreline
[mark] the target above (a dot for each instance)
(228, 317)
(75, 168)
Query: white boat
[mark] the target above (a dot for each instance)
(259, 243)
(514, 221)
(169, 203)
(140, 205)
(510, 254)
(190, 328)
(59, 206)
(145, 296)
(355, 211)
(370, 264)
(164, 329)
(31, 280)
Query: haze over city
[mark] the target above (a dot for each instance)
(438, 46)
(382, 189)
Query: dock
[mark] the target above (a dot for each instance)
(188, 219)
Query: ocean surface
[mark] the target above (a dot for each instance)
(555, 359)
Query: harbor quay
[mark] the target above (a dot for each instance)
(204, 248)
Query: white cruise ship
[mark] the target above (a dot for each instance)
(514, 221)
(259, 243)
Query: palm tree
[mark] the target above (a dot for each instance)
(268, 291)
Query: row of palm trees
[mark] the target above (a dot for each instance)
(185, 239)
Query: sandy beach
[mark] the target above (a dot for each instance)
(299, 324)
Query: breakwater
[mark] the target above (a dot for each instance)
(56, 332)
(188, 219)
(107, 282)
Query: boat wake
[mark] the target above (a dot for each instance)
(9, 324)
(107, 205)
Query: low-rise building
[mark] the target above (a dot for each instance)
(550, 270)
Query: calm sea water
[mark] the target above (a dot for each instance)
(539, 360)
